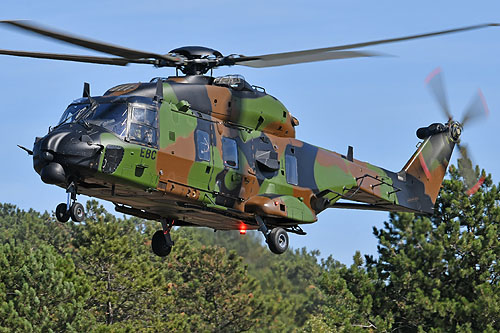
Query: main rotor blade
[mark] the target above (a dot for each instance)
(272, 58)
(89, 44)
(476, 109)
(436, 86)
(78, 58)
(270, 61)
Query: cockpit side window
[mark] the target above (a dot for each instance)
(144, 115)
(143, 124)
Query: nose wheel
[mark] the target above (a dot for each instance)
(71, 209)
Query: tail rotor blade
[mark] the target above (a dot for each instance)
(476, 187)
(467, 171)
(476, 109)
(436, 86)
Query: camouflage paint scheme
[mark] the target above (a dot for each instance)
(174, 179)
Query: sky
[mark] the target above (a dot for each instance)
(373, 104)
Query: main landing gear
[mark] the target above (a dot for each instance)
(162, 243)
(71, 208)
(276, 238)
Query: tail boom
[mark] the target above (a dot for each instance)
(413, 189)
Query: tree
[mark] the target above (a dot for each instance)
(212, 291)
(288, 282)
(117, 262)
(442, 273)
(34, 228)
(41, 291)
(349, 294)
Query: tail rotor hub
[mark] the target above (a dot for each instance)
(455, 131)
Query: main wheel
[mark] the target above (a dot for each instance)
(159, 244)
(62, 214)
(277, 240)
(77, 212)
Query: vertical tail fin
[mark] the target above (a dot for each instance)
(428, 164)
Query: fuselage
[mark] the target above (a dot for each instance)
(208, 152)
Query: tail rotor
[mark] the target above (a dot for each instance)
(476, 110)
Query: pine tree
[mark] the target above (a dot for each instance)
(113, 254)
(212, 291)
(288, 282)
(41, 291)
(348, 294)
(442, 273)
(34, 228)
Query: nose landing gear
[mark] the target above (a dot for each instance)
(72, 208)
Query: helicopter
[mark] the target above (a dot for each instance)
(203, 151)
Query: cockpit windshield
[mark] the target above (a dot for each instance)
(131, 121)
(71, 112)
(112, 116)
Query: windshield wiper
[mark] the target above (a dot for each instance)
(82, 116)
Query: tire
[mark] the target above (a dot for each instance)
(77, 212)
(62, 214)
(159, 244)
(277, 240)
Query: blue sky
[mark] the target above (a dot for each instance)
(373, 104)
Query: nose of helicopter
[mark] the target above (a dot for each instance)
(68, 152)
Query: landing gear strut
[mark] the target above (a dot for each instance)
(162, 243)
(71, 208)
(276, 238)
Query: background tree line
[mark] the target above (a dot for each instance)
(438, 274)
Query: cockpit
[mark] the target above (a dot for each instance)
(130, 119)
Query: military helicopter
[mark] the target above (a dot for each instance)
(198, 150)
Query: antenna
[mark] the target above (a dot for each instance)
(86, 89)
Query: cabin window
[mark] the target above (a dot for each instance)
(230, 152)
(202, 145)
(292, 176)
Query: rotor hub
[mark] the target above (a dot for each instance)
(198, 60)
(455, 131)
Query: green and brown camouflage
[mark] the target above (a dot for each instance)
(225, 152)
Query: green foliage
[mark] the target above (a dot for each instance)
(442, 273)
(212, 290)
(288, 281)
(41, 291)
(349, 294)
(111, 251)
(33, 228)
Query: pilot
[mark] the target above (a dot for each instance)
(136, 133)
(148, 135)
